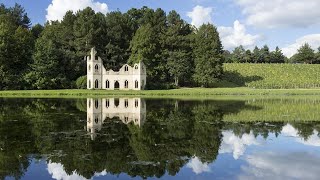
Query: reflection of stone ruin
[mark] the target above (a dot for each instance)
(126, 109)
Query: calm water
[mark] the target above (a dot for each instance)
(127, 138)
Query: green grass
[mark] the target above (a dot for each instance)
(278, 110)
(272, 76)
(187, 93)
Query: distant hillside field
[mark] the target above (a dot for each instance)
(271, 76)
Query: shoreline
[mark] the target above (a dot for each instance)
(191, 93)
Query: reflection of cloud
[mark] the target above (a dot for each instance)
(103, 173)
(233, 144)
(197, 166)
(57, 171)
(313, 140)
(277, 165)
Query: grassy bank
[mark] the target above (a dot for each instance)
(277, 110)
(272, 76)
(183, 92)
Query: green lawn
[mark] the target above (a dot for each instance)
(175, 93)
(271, 76)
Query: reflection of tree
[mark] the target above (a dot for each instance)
(305, 130)
(257, 128)
(16, 140)
(173, 133)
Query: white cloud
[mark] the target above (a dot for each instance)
(200, 15)
(197, 166)
(281, 13)
(281, 165)
(57, 9)
(232, 37)
(313, 140)
(57, 171)
(312, 39)
(233, 144)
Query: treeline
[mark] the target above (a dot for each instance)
(263, 55)
(52, 56)
(175, 53)
(305, 55)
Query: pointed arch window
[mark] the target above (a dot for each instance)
(136, 103)
(96, 67)
(107, 84)
(136, 84)
(126, 84)
(96, 84)
(126, 103)
(126, 68)
(136, 67)
(107, 103)
(96, 120)
(96, 104)
(89, 84)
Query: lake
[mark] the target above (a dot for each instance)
(124, 138)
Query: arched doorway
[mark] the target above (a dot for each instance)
(116, 85)
(96, 84)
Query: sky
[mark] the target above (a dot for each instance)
(284, 23)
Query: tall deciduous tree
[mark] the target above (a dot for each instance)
(208, 55)
(15, 52)
(47, 70)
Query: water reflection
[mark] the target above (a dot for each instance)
(128, 110)
(133, 137)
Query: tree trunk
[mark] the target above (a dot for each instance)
(176, 81)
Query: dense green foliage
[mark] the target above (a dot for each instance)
(272, 76)
(176, 54)
(263, 55)
(52, 56)
(305, 55)
(16, 47)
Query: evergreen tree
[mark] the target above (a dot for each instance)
(317, 56)
(119, 33)
(248, 57)
(277, 56)
(265, 54)
(238, 54)
(208, 55)
(305, 55)
(177, 48)
(256, 55)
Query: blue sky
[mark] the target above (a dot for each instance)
(284, 23)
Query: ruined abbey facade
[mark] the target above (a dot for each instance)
(127, 78)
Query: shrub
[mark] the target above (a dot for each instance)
(81, 82)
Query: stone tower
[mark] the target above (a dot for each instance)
(94, 70)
